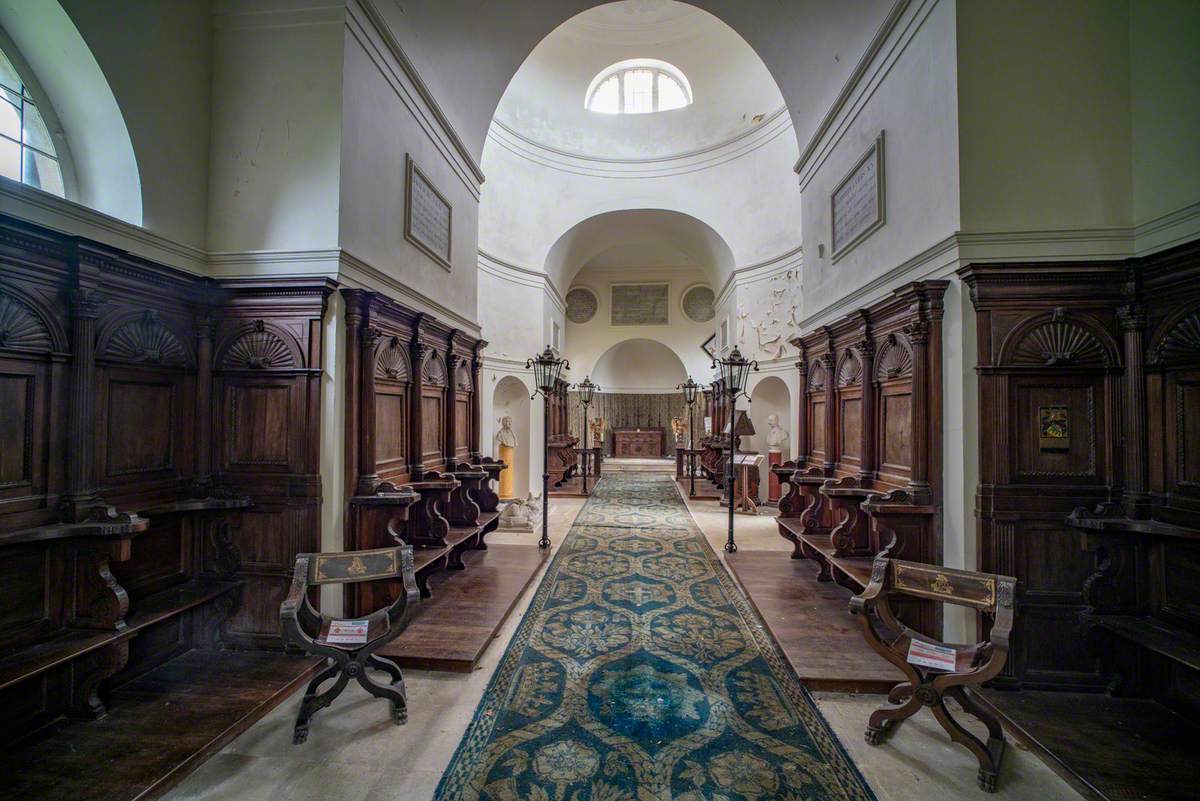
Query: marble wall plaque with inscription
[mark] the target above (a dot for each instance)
(427, 217)
(857, 204)
(640, 304)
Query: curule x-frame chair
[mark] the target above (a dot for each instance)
(309, 630)
(974, 664)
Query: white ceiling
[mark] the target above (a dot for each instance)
(640, 238)
(731, 85)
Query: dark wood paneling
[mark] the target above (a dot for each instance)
(138, 407)
(867, 475)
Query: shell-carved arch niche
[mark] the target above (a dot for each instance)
(895, 359)
(433, 373)
(849, 372)
(462, 377)
(259, 347)
(818, 376)
(1058, 339)
(145, 339)
(391, 361)
(1181, 343)
(22, 328)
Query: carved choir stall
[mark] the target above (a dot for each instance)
(415, 475)
(1089, 424)
(563, 460)
(158, 475)
(866, 478)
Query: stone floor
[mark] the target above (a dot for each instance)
(353, 752)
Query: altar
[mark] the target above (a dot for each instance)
(643, 443)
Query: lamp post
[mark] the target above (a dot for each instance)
(586, 390)
(735, 369)
(690, 391)
(547, 368)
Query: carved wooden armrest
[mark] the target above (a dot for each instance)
(302, 623)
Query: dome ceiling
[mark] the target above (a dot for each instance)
(733, 91)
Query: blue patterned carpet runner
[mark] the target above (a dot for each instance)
(640, 674)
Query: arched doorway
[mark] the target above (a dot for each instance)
(770, 396)
(510, 398)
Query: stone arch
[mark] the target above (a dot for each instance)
(510, 397)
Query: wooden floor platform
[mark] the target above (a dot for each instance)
(812, 623)
(160, 727)
(451, 630)
(573, 487)
(705, 489)
(1110, 749)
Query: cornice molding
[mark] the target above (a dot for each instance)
(514, 273)
(855, 85)
(411, 88)
(356, 272)
(759, 271)
(50, 211)
(773, 125)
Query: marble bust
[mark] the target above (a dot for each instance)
(777, 438)
(506, 436)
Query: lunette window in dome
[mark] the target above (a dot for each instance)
(27, 152)
(638, 86)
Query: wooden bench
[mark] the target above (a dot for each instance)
(442, 515)
(929, 686)
(1137, 607)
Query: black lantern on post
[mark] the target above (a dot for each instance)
(691, 390)
(547, 369)
(587, 391)
(735, 370)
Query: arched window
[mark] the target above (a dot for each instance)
(638, 86)
(27, 152)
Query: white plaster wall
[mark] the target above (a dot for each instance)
(511, 312)
(810, 46)
(586, 343)
(750, 201)
(378, 129)
(157, 58)
(960, 449)
(730, 85)
(1165, 86)
(915, 106)
(276, 122)
(638, 366)
(1044, 114)
(332, 432)
(48, 46)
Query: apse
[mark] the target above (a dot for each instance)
(639, 365)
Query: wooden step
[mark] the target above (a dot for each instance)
(1175, 643)
(159, 727)
(176, 600)
(65, 646)
(70, 644)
